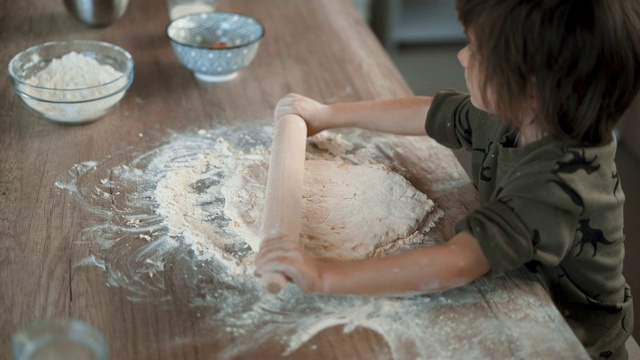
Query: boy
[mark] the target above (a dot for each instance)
(547, 81)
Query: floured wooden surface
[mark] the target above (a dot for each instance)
(156, 299)
(166, 238)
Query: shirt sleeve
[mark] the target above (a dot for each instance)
(530, 219)
(449, 119)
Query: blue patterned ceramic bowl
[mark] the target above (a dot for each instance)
(215, 45)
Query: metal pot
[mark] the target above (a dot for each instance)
(97, 13)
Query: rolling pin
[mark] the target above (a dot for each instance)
(281, 216)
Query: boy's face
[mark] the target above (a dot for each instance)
(470, 62)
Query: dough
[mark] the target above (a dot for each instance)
(348, 211)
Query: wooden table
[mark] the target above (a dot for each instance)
(321, 49)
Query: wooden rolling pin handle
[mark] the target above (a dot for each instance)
(274, 282)
(283, 195)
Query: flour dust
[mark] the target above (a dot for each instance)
(164, 237)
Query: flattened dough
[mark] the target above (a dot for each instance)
(348, 211)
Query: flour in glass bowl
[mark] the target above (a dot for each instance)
(74, 88)
(75, 71)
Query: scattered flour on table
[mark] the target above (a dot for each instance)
(168, 236)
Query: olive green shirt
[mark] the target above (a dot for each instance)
(553, 206)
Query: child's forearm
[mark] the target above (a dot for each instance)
(431, 269)
(404, 116)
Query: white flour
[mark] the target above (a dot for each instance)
(74, 71)
(165, 238)
(68, 74)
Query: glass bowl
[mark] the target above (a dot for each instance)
(215, 45)
(62, 338)
(69, 94)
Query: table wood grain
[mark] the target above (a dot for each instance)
(321, 49)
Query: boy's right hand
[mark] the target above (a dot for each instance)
(290, 259)
(311, 111)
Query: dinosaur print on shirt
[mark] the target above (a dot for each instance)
(578, 162)
(591, 236)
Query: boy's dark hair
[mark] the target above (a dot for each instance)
(579, 60)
